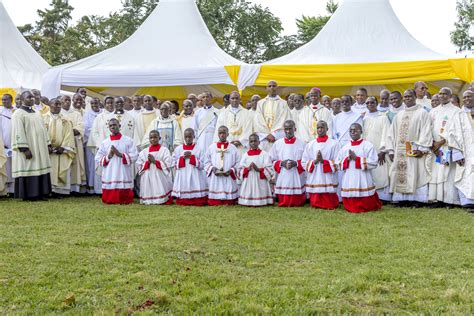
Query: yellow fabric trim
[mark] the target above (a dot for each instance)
(233, 72)
(7, 90)
(365, 74)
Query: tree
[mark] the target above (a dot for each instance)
(310, 26)
(460, 36)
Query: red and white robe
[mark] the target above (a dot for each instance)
(358, 187)
(117, 173)
(255, 187)
(322, 178)
(155, 179)
(222, 190)
(290, 183)
(190, 183)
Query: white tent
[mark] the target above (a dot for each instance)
(172, 49)
(363, 44)
(21, 67)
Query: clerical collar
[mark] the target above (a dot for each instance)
(290, 141)
(120, 112)
(207, 107)
(254, 152)
(27, 109)
(316, 106)
(356, 142)
(222, 144)
(116, 136)
(154, 148)
(188, 147)
(322, 139)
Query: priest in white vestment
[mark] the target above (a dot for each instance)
(408, 144)
(396, 105)
(421, 89)
(100, 129)
(205, 119)
(145, 117)
(384, 104)
(116, 156)
(221, 163)
(170, 132)
(256, 172)
(78, 167)
(61, 135)
(272, 112)
(128, 126)
(238, 121)
(343, 121)
(286, 155)
(452, 146)
(306, 127)
(356, 160)
(319, 161)
(6, 112)
(186, 118)
(359, 106)
(376, 126)
(154, 168)
(31, 165)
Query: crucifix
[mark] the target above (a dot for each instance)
(222, 151)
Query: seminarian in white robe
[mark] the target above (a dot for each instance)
(117, 173)
(223, 190)
(190, 183)
(272, 112)
(358, 187)
(205, 120)
(409, 176)
(6, 130)
(239, 123)
(445, 169)
(376, 126)
(308, 120)
(321, 178)
(155, 178)
(452, 124)
(255, 187)
(290, 183)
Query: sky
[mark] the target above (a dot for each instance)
(429, 21)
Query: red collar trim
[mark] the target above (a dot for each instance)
(322, 139)
(116, 137)
(188, 147)
(254, 152)
(219, 145)
(357, 142)
(154, 148)
(290, 141)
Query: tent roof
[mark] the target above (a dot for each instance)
(361, 31)
(21, 67)
(173, 47)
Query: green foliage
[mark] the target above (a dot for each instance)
(80, 257)
(247, 31)
(460, 36)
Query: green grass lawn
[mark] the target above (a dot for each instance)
(81, 257)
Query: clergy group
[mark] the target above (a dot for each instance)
(406, 148)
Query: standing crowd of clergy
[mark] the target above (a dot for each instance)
(409, 149)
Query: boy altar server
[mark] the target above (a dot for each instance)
(190, 183)
(256, 171)
(154, 165)
(222, 159)
(356, 159)
(116, 155)
(319, 160)
(286, 154)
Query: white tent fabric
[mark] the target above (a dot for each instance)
(360, 31)
(21, 67)
(173, 47)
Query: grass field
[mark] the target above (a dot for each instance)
(81, 257)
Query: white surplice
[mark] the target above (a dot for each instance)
(190, 180)
(288, 181)
(255, 187)
(321, 177)
(155, 179)
(225, 157)
(341, 125)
